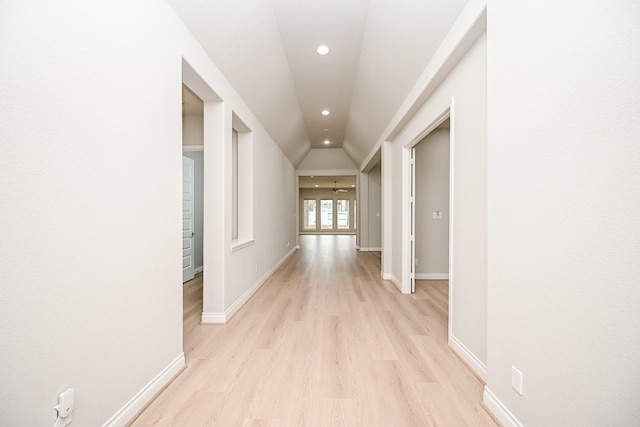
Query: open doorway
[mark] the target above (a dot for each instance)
(429, 213)
(432, 169)
(192, 204)
(327, 204)
(370, 212)
(431, 222)
(371, 217)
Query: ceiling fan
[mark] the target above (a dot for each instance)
(337, 190)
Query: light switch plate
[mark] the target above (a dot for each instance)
(516, 380)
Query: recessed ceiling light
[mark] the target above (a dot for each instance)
(322, 49)
(311, 176)
(316, 185)
(353, 185)
(325, 112)
(327, 142)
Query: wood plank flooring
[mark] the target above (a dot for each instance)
(324, 342)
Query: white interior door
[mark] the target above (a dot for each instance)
(188, 269)
(412, 200)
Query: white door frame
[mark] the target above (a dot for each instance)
(216, 127)
(408, 215)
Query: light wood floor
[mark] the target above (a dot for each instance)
(324, 342)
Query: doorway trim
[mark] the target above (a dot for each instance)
(214, 120)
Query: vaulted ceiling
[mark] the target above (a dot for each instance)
(267, 51)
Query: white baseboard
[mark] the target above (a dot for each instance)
(212, 318)
(497, 408)
(370, 249)
(198, 270)
(432, 276)
(144, 396)
(470, 359)
(386, 276)
(221, 318)
(233, 309)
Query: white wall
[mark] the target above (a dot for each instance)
(431, 195)
(90, 189)
(91, 169)
(564, 211)
(466, 85)
(275, 211)
(274, 224)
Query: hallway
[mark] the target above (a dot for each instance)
(324, 342)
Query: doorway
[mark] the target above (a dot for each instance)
(327, 204)
(192, 205)
(193, 183)
(431, 193)
(431, 244)
(429, 207)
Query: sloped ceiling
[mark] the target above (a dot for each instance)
(267, 50)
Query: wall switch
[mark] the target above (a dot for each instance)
(516, 379)
(416, 261)
(66, 400)
(437, 215)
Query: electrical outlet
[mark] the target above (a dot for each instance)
(516, 379)
(437, 215)
(66, 401)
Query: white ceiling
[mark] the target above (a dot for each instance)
(267, 50)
